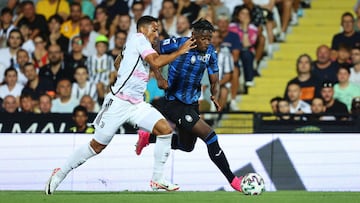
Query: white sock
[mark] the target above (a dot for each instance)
(77, 158)
(161, 153)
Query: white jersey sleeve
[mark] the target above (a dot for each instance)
(133, 73)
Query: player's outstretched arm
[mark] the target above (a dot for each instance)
(214, 89)
(157, 61)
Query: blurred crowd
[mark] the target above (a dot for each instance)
(328, 87)
(58, 54)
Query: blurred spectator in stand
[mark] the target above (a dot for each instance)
(283, 110)
(55, 36)
(40, 56)
(355, 70)
(274, 103)
(80, 118)
(56, 69)
(345, 90)
(115, 7)
(231, 40)
(226, 67)
(347, 37)
(37, 85)
(87, 102)
(208, 13)
(82, 85)
(75, 58)
(318, 109)
(36, 22)
(297, 106)
(343, 56)
(272, 22)
(22, 57)
(11, 86)
(27, 104)
(102, 23)
(71, 27)
(168, 16)
(285, 6)
(87, 8)
(28, 44)
(152, 8)
(8, 54)
(323, 68)
(101, 69)
(64, 102)
(162, 32)
(119, 39)
(309, 84)
(257, 18)
(333, 106)
(45, 104)
(189, 9)
(247, 33)
(183, 27)
(137, 9)
(123, 22)
(355, 106)
(2, 72)
(48, 8)
(88, 36)
(6, 25)
(10, 105)
(357, 19)
(221, 8)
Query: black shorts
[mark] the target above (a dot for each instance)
(185, 116)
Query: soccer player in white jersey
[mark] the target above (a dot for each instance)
(125, 103)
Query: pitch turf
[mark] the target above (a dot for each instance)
(175, 197)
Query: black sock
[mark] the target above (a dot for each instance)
(218, 156)
(152, 138)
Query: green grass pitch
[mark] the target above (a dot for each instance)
(175, 197)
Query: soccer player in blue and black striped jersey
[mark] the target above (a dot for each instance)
(183, 89)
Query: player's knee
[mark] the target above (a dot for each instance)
(162, 127)
(97, 147)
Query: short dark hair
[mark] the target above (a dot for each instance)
(75, 4)
(57, 18)
(79, 108)
(201, 25)
(345, 68)
(6, 10)
(10, 69)
(29, 64)
(277, 99)
(347, 14)
(145, 20)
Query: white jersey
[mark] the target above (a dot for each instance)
(133, 74)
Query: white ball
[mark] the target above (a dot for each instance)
(252, 184)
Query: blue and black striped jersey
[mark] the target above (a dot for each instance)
(186, 71)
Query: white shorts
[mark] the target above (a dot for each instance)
(115, 112)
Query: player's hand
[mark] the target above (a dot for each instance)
(117, 62)
(216, 103)
(162, 84)
(189, 44)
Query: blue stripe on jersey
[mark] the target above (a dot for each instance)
(186, 72)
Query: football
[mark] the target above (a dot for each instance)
(252, 184)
